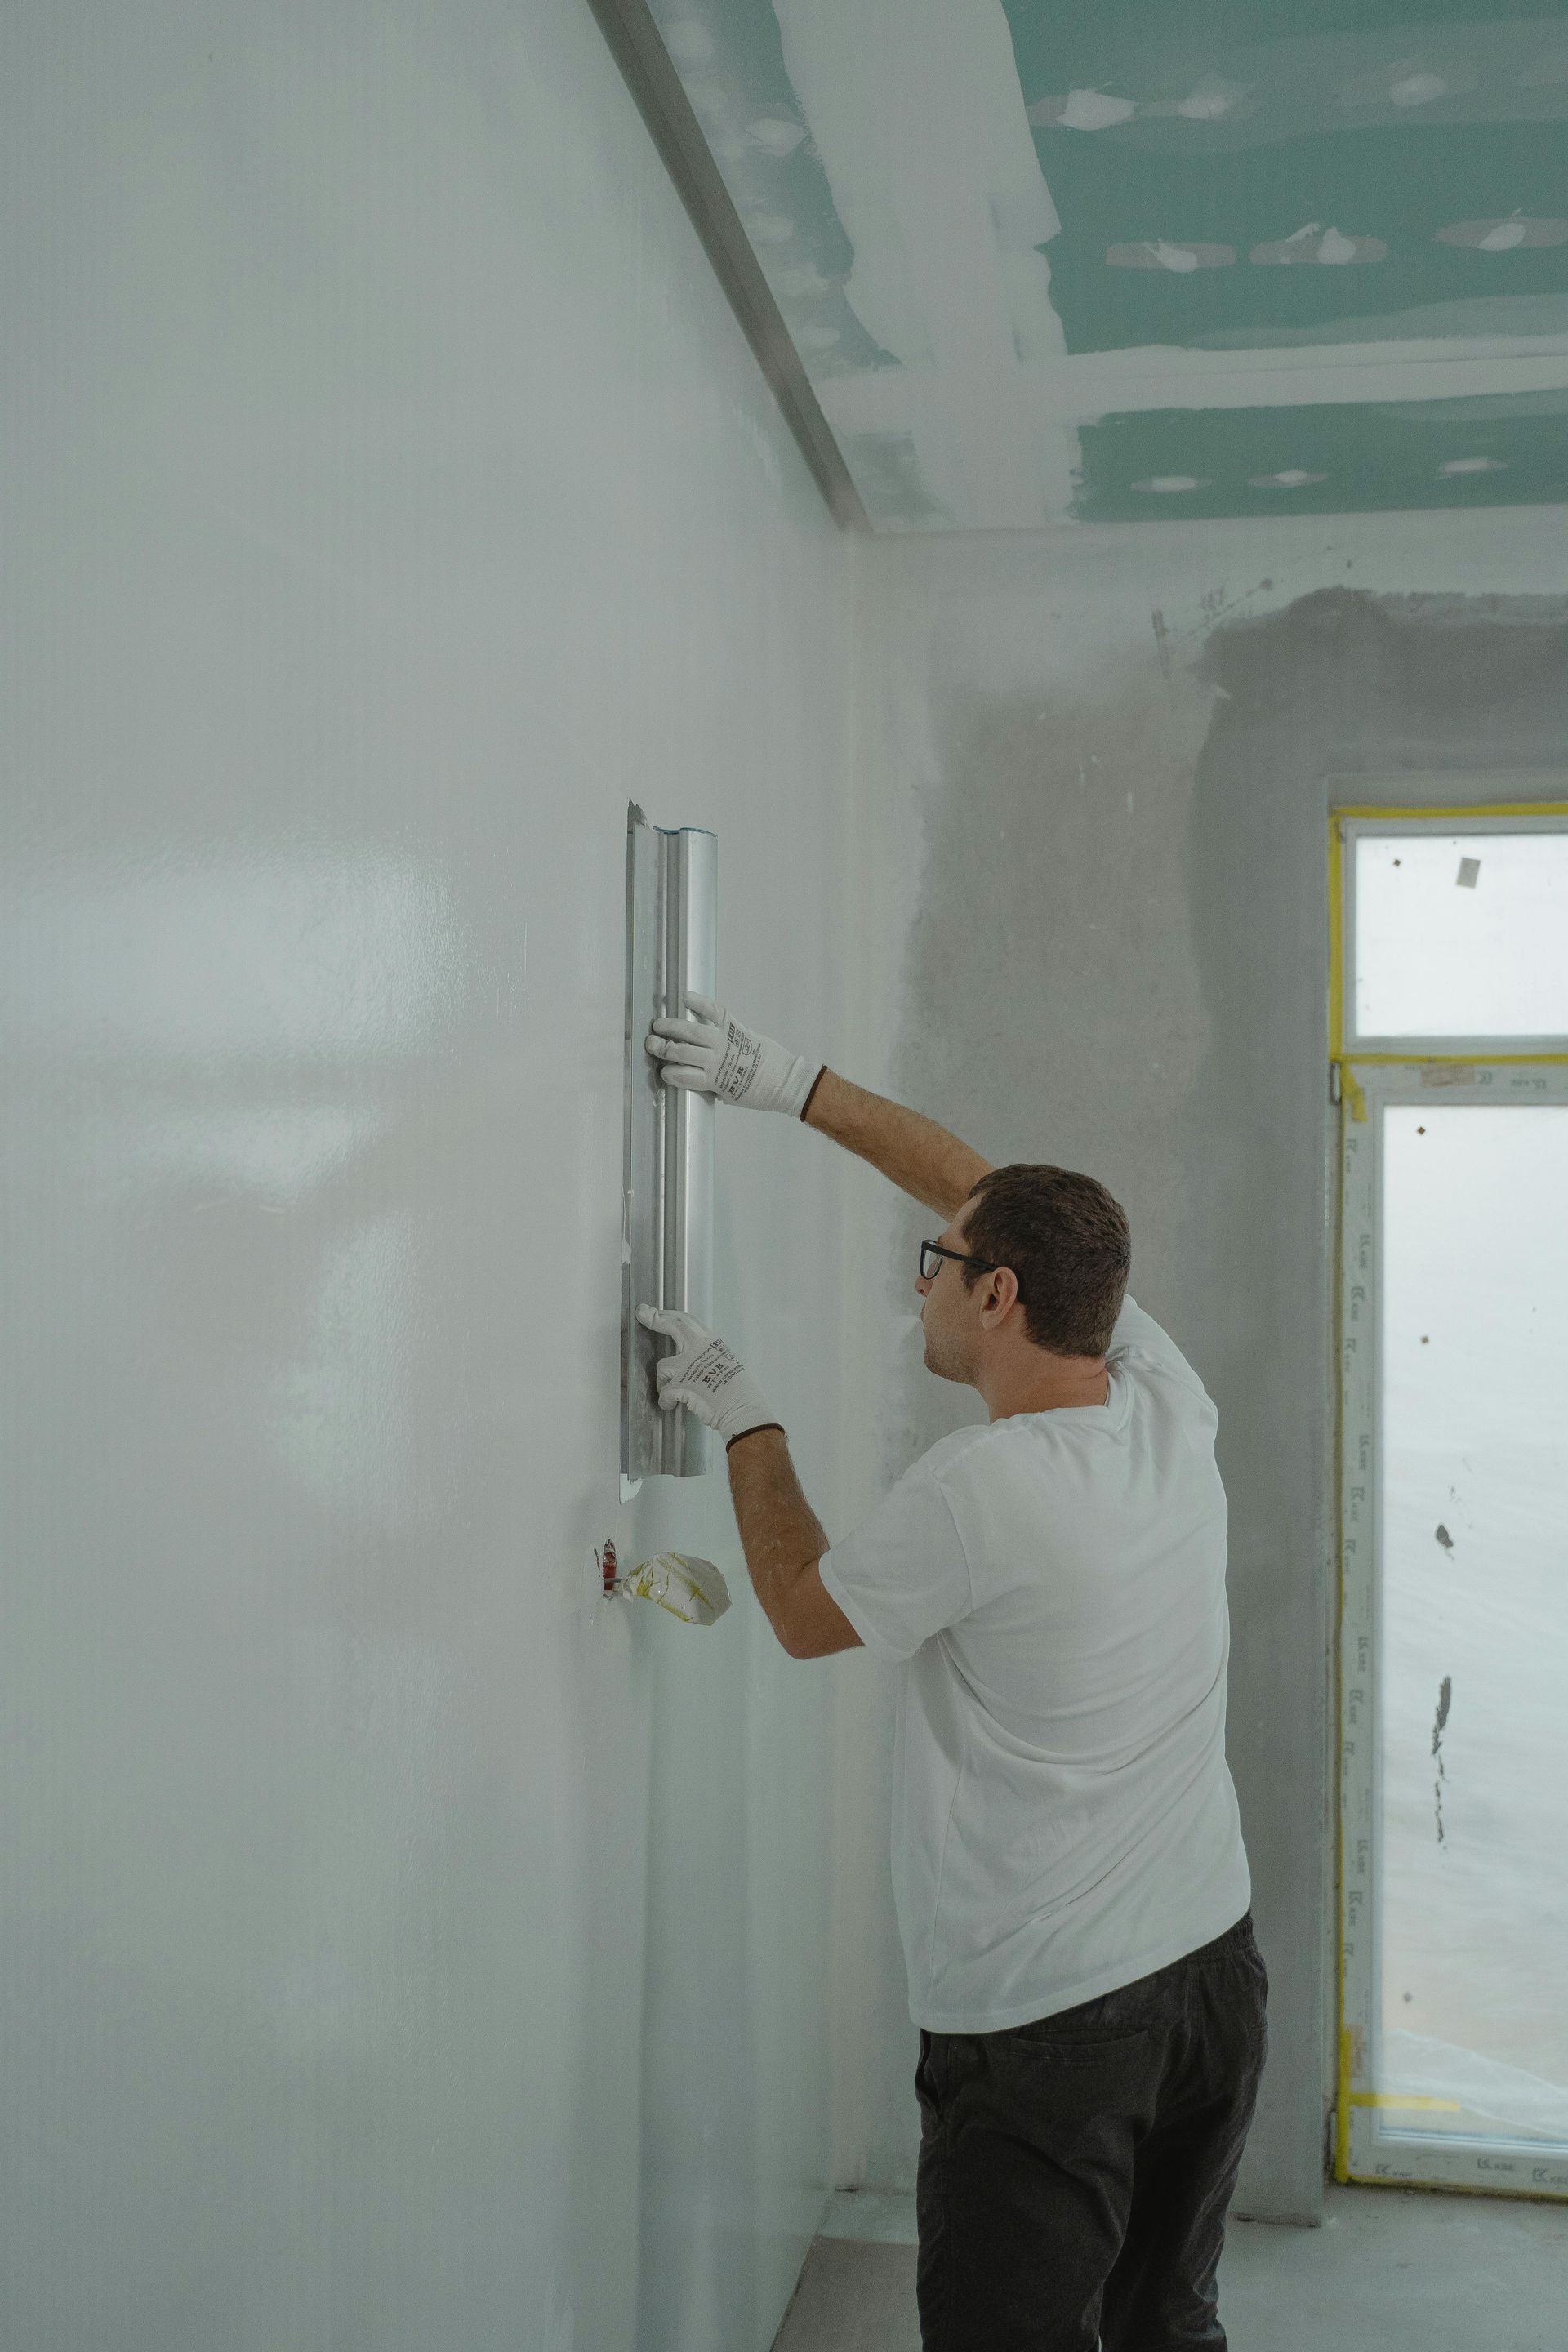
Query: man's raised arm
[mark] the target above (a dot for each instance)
(713, 1053)
(912, 1151)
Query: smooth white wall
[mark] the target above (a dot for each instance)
(1095, 767)
(403, 1946)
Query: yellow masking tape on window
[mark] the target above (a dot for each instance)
(1436, 816)
(1386, 2099)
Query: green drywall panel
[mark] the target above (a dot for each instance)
(1515, 453)
(1399, 187)
(1307, 131)
(1061, 43)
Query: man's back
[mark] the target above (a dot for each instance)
(1064, 1821)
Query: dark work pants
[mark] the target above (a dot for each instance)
(1075, 2172)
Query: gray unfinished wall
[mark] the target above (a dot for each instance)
(1098, 768)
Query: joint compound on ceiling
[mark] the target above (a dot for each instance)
(727, 55)
(894, 171)
(1324, 247)
(933, 171)
(1157, 253)
(1504, 236)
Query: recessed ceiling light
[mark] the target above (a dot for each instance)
(1165, 482)
(1292, 479)
(1473, 465)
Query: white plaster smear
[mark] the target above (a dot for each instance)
(1070, 391)
(1085, 385)
(921, 127)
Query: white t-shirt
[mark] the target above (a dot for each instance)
(1063, 1820)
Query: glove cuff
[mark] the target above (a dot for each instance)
(752, 1431)
(798, 1085)
(751, 1409)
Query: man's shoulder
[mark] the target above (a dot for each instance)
(956, 1451)
(1146, 1347)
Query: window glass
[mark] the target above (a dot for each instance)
(1474, 1652)
(1461, 935)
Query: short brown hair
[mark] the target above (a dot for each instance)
(1068, 1246)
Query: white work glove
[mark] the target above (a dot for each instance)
(716, 1055)
(706, 1377)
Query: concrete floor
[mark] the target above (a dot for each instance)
(1390, 2270)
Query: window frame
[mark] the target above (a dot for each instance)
(1366, 1075)
(1369, 2145)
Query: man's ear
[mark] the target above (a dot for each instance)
(1004, 1290)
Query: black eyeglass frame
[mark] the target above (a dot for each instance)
(986, 1264)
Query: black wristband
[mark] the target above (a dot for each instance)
(815, 1083)
(751, 1432)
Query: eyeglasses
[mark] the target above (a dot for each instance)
(930, 1250)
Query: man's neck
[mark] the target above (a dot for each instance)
(1023, 1387)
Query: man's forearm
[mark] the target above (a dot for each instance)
(919, 1157)
(781, 1535)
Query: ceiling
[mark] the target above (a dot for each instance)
(1041, 260)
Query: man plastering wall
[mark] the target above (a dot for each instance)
(1072, 1889)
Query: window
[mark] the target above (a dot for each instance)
(1453, 994)
(1457, 933)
